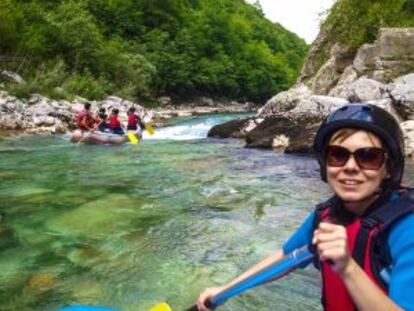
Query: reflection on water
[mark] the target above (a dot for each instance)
(132, 226)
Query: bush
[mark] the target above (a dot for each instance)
(87, 86)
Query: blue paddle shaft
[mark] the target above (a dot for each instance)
(290, 262)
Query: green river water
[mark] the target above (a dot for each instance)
(134, 225)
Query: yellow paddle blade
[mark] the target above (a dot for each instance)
(132, 138)
(161, 307)
(149, 128)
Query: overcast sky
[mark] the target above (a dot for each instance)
(299, 16)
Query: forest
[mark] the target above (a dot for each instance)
(147, 48)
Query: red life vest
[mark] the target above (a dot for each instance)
(367, 242)
(132, 119)
(114, 122)
(84, 124)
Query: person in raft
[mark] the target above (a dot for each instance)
(84, 119)
(363, 235)
(101, 120)
(115, 124)
(134, 122)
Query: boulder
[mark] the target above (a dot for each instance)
(277, 131)
(329, 73)
(390, 56)
(229, 129)
(312, 62)
(164, 100)
(285, 101)
(12, 76)
(408, 130)
(348, 76)
(206, 101)
(364, 89)
(316, 106)
(402, 93)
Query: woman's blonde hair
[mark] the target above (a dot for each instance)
(342, 134)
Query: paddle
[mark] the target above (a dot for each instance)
(149, 128)
(271, 272)
(88, 133)
(132, 138)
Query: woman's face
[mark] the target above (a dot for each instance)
(354, 185)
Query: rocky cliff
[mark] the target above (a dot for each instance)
(381, 73)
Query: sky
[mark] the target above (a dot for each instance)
(299, 16)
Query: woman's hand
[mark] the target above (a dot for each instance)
(332, 244)
(207, 294)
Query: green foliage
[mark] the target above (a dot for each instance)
(86, 85)
(47, 79)
(354, 22)
(149, 48)
(10, 24)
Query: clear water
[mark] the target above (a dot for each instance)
(134, 225)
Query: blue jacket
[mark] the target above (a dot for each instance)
(401, 246)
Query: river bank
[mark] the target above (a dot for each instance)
(42, 115)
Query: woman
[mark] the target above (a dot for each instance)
(363, 234)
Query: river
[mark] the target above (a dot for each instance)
(134, 225)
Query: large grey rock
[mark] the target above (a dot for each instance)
(390, 56)
(326, 78)
(348, 76)
(206, 101)
(402, 93)
(42, 108)
(228, 129)
(44, 121)
(277, 131)
(329, 73)
(164, 100)
(316, 106)
(364, 89)
(285, 101)
(12, 76)
(11, 104)
(408, 130)
(12, 113)
(312, 62)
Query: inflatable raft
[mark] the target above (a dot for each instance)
(98, 137)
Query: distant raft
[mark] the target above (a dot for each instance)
(98, 137)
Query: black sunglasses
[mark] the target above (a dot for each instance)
(369, 158)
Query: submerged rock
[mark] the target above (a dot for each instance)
(41, 281)
(99, 217)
